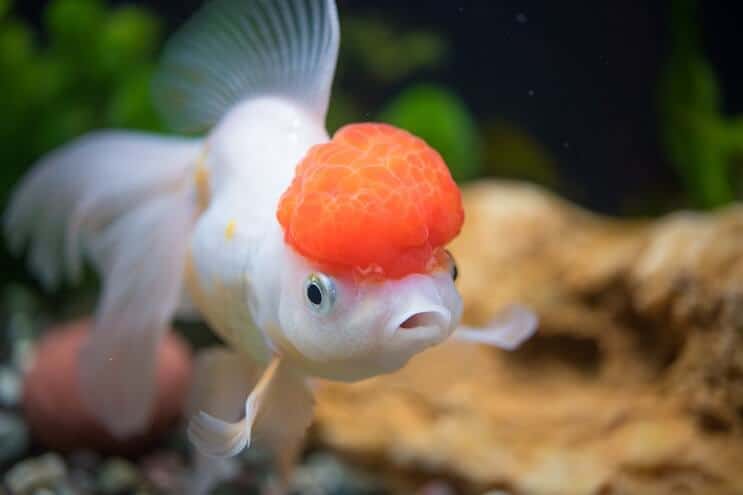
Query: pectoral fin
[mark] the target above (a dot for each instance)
(283, 419)
(278, 411)
(223, 379)
(508, 330)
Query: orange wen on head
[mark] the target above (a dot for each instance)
(375, 199)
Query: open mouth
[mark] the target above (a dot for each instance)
(424, 319)
(432, 319)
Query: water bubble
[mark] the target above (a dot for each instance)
(530, 92)
(521, 18)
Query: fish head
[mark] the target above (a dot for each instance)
(368, 283)
(351, 328)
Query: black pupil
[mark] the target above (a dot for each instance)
(314, 294)
(454, 269)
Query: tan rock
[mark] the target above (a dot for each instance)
(634, 383)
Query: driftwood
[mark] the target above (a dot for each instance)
(634, 383)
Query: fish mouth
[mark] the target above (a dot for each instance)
(423, 323)
(425, 319)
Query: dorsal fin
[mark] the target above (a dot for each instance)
(233, 50)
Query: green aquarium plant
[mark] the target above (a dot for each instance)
(704, 145)
(375, 57)
(441, 118)
(511, 152)
(388, 54)
(92, 70)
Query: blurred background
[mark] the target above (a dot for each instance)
(570, 95)
(629, 108)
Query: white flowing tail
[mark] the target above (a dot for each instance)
(127, 202)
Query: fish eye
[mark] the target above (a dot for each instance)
(453, 269)
(319, 291)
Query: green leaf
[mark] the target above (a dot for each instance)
(131, 103)
(512, 153)
(695, 133)
(129, 37)
(73, 26)
(4, 8)
(388, 54)
(16, 46)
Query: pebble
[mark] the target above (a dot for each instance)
(324, 474)
(117, 476)
(83, 466)
(82, 481)
(21, 328)
(164, 471)
(29, 476)
(437, 488)
(14, 438)
(10, 387)
(86, 460)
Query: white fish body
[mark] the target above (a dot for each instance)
(161, 217)
(250, 157)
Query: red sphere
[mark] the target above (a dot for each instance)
(59, 418)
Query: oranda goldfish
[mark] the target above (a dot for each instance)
(309, 256)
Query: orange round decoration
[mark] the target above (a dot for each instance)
(375, 199)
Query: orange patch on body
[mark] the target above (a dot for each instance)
(375, 199)
(229, 230)
(201, 179)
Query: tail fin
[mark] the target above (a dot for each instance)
(127, 202)
(233, 50)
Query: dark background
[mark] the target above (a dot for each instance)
(580, 76)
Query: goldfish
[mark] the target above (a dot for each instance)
(310, 256)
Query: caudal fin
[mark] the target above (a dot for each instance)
(126, 201)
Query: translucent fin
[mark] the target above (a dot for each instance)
(233, 50)
(283, 420)
(126, 201)
(508, 330)
(78, 189)
(222, 380)
(278, 411)
(216, 438)
(219, 438)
